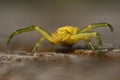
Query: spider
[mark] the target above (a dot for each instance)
(66, 35)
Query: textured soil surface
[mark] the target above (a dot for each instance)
(79, 65)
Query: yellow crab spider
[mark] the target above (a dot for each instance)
(66, 35)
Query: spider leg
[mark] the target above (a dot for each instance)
(88, 35)
(38, 44)
(96, 25)
(44, 33)
(90, 43)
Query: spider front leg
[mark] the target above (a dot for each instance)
(96, 25)
(88, 35)
(44, 33)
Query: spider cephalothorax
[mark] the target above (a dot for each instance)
(63, 35)
(66, 35)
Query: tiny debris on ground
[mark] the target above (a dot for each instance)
(18, 55)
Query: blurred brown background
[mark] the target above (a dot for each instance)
(51, 14)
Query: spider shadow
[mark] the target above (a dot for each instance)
(69, 48)
(72, 48)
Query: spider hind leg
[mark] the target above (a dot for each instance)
(38, 44)
(88, 35)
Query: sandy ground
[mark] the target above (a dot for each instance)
(21, 65)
